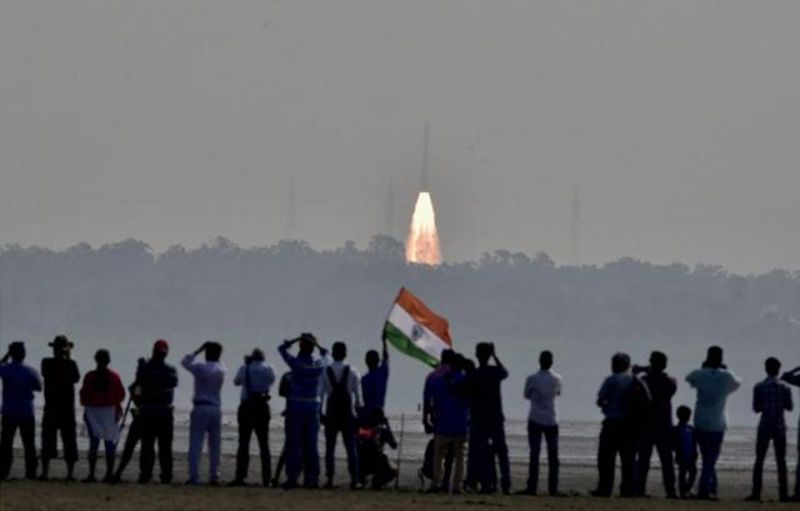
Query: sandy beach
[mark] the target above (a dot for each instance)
(576, 480)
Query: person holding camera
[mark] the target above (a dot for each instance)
(302, 409)
(487, 437)
(206, 416)
(19, 384)
(155, 383)
(256, 379)
(655, 427)
(714, 383)
(60, 375)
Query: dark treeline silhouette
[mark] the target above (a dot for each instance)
(125, 290)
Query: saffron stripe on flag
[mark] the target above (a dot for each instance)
(422, 315)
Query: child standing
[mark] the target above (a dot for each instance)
(685, 452)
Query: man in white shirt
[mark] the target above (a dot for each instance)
(714, 383)
(339, 391)
(206, 417)
(256, 378)
(542, 388)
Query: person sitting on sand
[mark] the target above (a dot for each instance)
(771, 398)
(19, 384)
(714, 383)
(102, 394)
(206, 416)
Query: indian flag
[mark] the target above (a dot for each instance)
(416, 330)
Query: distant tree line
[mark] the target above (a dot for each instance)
(124, 290)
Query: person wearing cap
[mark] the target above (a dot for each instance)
(206, 416)
(19, 384)
(154, 391)
(60, 375)
(255, 378)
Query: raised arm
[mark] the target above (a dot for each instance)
(792, 377)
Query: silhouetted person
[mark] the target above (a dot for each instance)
(714, 383)
(541, 389)
(771, 398)
(448, 416)
(303, 410)
(206, 416)
(156, 382)
(487, 436)
(685, 445)
(341, 398)
(656, 428)
(284, 391)
(375, 382)
(616, 434)
(102, 394)
(793, 378)
(60, 375)
(256, 379)
(132, 439)
(372, 436)
(19, 384)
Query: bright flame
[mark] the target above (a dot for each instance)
(423, 239)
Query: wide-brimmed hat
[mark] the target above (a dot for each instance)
(61, 341)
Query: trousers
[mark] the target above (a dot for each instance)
(204, 420)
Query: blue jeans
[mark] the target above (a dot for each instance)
(550, 433)
(710, 444)
(302, 430)
(204, 419)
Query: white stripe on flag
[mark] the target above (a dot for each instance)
(425, 339)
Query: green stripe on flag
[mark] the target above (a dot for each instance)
(405, 345)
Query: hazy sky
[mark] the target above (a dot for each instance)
(174, 122)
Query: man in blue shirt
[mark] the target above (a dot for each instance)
(374, 383)
(19, 384)
(302, 410)
(615, 436)
(448, 415)
(771, 398)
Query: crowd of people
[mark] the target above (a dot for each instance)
(462, 409)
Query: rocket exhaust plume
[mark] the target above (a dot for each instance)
(423, 239)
